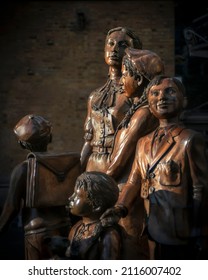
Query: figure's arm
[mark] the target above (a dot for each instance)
(15, 196)
(129, 193)
(196, 151)
(197, 157)
(85, 154)
(131, 189)
(111, 245)
(88, 135)
(141, 123)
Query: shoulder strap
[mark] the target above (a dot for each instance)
(173, 133)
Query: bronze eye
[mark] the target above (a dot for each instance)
(170, 91)
(155, 92)
(111, 44)
(123, 44)
(125, 73)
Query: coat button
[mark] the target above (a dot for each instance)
(152, 175)
(151, 189)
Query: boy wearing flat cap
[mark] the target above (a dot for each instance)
(34, 133)
(138, 68)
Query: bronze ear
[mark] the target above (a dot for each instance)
(139, 79)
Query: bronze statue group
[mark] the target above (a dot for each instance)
(138, 190)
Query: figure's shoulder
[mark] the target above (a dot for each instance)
(20, 168)
(95, 92)
(143, 115)
(19, 174)
(114, 231)
(192, 138)
(187, 133)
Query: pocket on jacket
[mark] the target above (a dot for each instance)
(169, 173)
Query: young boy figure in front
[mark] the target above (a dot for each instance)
(94, 192)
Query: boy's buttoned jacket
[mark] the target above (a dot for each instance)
(174, 183)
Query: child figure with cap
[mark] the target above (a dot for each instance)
(139, 67)
(34, 133)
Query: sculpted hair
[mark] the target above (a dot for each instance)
(129, 66)
(159, 78)
(102, 190)
(137, 43)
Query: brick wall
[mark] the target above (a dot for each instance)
(52, 57)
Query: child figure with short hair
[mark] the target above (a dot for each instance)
(94, 193)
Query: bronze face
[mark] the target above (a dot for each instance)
(129, 82)
(165, 100)
(79, 203)
(115, 46)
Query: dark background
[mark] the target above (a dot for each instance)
(193, 69)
